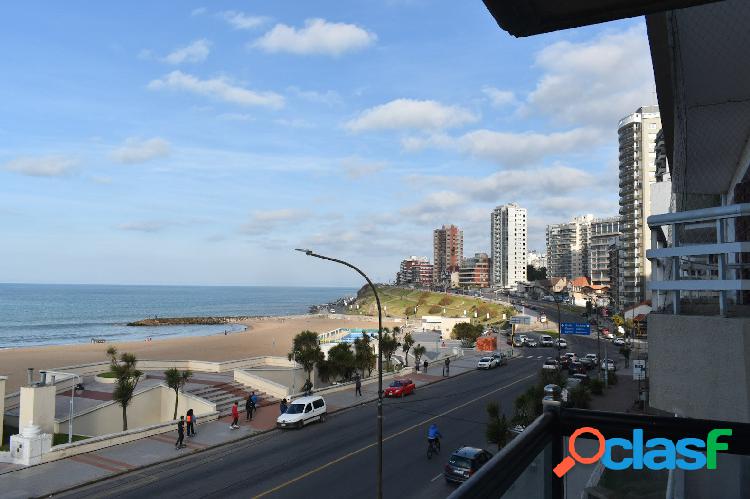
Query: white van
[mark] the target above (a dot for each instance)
(302, 411)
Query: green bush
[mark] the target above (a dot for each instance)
(579, 397)
(597, 386)
(107, 375)
(445, 300)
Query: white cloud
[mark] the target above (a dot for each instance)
(263, 222)
(40, 166)
(409, 113)
(595, 82)
(434, 206)
(217, 88)
(328, 97)
(510, 149)
(294, 123)
(195, 52)
(136, 150)
(356, 168)
(499, 98)
(198, 12)
(317, 37)
(240, 20)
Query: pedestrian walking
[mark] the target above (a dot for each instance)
(180, 433)
(256, 401)
(447, 366)
(282, 406)
(249, 408)
(235, 416)
(425, 364)
(190, 419)
(358, 387)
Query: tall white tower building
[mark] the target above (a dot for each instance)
(508, 239)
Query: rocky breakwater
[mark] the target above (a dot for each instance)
(181, 321)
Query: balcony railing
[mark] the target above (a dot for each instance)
(540, 447)
(697, 255)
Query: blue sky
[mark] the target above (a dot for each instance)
(199, 142)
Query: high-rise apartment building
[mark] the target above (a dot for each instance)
(415, 270)
(475, 272)
(508, 238)
(536, 259)
(602, 234)
(637, 139)
(448, 247)
(567, 248)
(580, 248)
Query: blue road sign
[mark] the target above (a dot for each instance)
(575, 328)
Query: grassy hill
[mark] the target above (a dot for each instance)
(400, 302)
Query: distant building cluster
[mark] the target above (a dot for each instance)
(503, 267)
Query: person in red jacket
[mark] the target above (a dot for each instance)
(235, 416)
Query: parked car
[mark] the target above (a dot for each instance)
(609, 365)
(487, 363)
(547, 341)
(550, 365)
(562, 343)
(464, 463)
(399, 388)
(302, 411)
(618, 342)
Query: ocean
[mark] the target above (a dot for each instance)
(52, 314)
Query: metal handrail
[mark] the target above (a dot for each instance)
(716, 212)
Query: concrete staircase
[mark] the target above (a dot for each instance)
(225, 394)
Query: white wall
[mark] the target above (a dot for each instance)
(37, 407)
(2, 404)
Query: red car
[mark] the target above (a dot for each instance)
(399, 388)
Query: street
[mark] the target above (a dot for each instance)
(339, 457)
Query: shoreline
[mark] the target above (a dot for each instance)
(263, 336)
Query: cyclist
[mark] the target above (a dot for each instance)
(433, 436)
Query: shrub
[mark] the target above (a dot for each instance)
(465, 331)
(579, 397)
(597, 386)
(445, 300)
(435, 309)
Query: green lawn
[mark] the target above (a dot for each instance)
(398, 302)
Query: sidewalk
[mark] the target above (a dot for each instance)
(17, 482)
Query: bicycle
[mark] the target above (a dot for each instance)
(433, 447)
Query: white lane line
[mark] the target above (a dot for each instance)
(438, 476)
(529, 356)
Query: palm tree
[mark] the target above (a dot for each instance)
(127, 377)
(406, 346)
(176, 380)
(306, 351)
(498, 429)
(419, 350)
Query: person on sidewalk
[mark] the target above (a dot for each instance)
(235, 416)
(425, 364)
(282, 406)
(190, 419)
(249, 408)
(357, 386)
(447, 366)
(180, 433)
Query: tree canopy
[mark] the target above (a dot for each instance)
(306, 351)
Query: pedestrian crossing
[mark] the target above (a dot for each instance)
(535, 357)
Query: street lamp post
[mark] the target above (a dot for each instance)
(380, 361)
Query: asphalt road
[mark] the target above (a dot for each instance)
(338, 458)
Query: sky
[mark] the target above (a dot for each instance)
(181, 142)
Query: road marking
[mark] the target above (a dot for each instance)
(438, 476)
(540, 356)
(389, 437)
(529, 356)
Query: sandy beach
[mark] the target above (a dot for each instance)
(266, 336)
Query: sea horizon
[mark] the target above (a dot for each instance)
(55, 314)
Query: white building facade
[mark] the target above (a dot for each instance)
(508, 235)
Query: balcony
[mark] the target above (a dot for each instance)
(524, 467)
(697, 265)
